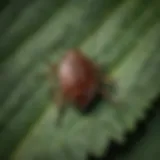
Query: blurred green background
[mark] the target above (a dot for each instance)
(120, 34)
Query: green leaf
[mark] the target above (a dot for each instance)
(121, 34)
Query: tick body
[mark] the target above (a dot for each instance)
(80, 80)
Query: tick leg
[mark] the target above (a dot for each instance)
(107, 96)
(52, 71)
(110, 85)
(59, 98)
(51, 76)
(60, 102)
(48, 72)
(109, 89)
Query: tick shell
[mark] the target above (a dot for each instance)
(78, 78)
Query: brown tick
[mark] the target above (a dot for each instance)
(79, 81)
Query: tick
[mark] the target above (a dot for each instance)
(79, 81)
